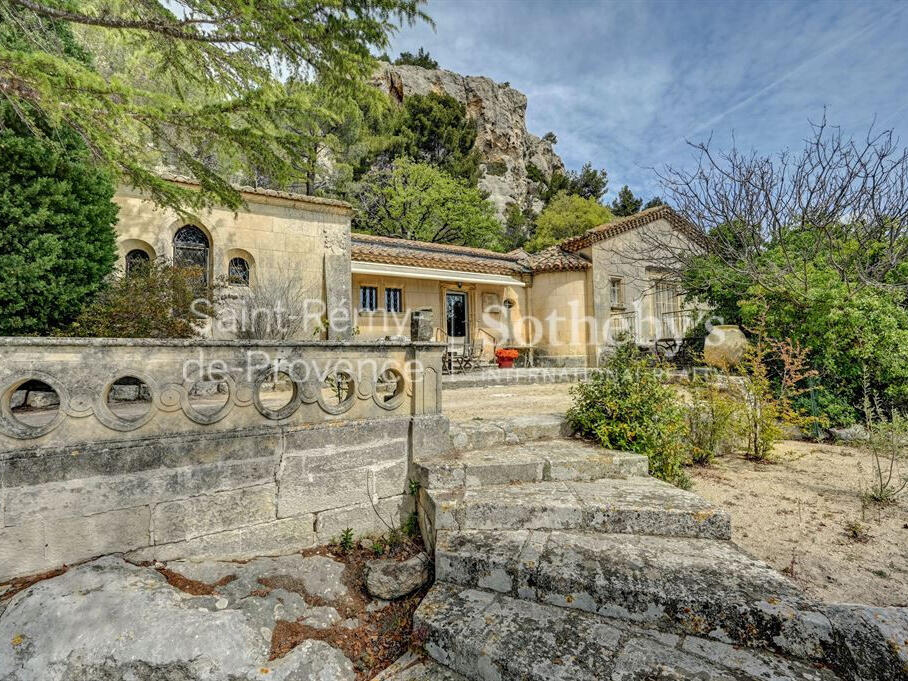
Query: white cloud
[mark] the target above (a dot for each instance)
(624, 84)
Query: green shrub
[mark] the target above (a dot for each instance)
(152, 301)
(626, 406)
(761, 412)
(57, 241)
(713, 423)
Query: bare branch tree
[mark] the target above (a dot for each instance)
(275, 307)
(841, 200)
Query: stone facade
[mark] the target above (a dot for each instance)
(570, 302)
(231, 475)
(277, 235)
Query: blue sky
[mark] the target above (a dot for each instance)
(624, 84)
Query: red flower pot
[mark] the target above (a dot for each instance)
(505, 363)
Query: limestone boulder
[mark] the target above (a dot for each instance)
(389, 579)
(850, 435)
(109, 620)
(724, 347)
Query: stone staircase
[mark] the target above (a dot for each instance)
(556, 559)
(559, 560)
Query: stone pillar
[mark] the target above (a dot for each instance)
(338, 280)
(421, 325)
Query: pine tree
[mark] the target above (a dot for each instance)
(653, 202)
(626, 203)
(421, 58)
(191, 76)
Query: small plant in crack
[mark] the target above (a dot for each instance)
(346, 542)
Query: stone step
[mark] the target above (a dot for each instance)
(681, 585)
(484, 635)
(630, 506)
(413, 667)
(529, 462)
(482, 433)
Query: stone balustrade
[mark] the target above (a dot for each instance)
(165, 449)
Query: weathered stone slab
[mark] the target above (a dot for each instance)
(275, 538)
(430, 435)
(364, 519)
(320, 576)
(751, 663)
(412, 667)
(340, 458)
(694, 586)
(472, 435)
(85, 496)
(210, 513)
(349, 434)
(310, 660)
(632, 506)
(871, 642)
(73, 539)
(118, 458)
(22, 550)
(125, 616)
(111, 620)
(530, 462)
(488, 636)
(299, 492)
(484, 636)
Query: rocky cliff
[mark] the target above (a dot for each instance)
(505, 146)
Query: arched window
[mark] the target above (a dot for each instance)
(190, 249)
(136, 259)
(238, 272)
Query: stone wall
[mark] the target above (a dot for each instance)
(234, 477)
(280, 236)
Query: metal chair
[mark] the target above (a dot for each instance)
(472, 355)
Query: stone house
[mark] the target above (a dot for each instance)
(567, 303)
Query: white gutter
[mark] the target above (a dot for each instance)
(410, 272)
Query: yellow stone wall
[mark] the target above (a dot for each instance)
(559, 301)
(278, 237)
(482, 300)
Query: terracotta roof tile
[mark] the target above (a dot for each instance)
(621, 225)
(555, 259)
(389, 250)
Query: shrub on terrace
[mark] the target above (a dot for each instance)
(626, 406)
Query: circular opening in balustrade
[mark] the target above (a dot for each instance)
(208, 396)
(389, 388)
(337, 392)
(34, 403)
(276, 391)
(129, 398)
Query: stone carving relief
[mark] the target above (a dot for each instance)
(337, 241)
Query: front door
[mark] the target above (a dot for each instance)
(456, 314)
